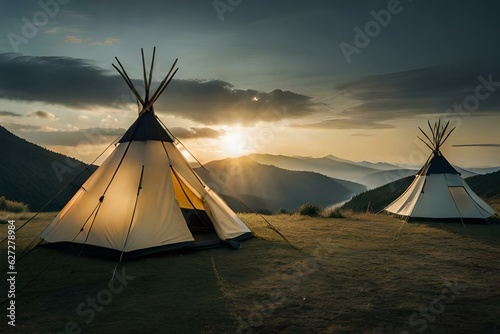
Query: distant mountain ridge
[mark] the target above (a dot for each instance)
(335, 168)
(375, 165)
(369, 174)
(267, 187)
(380, 178)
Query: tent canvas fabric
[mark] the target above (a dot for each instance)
(438, 190)
(145, 196)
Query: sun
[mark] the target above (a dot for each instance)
(234, 144)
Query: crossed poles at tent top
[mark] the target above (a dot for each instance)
(438, 134)
(147, 102)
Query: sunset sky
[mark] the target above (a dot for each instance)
(310, 78)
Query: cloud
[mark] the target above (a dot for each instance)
(9, 114)
(476, 145)
(80, 84)
(71, 127)
(55, 30)
(23, 127)
(44, 115)
(76, 40)
(73, 40)
(107, 41)
(29, 129)
(73, 136)
(418, 92)
(108, 122)
(70, 137)
(196, 132)
(219, 102)
(343, 124)
(361, 135)
(58, 80)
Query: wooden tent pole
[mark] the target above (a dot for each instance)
(146, 88)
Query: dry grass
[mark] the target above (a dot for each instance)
(360, 274)
(495, 204)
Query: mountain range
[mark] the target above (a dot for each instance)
(269, 188)
(367, 173)
(262, 182)
(370, 174)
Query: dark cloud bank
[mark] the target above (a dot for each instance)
(422, 91)
(80, 84)
(429, 91)
(380, 98)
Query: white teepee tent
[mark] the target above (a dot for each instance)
(145, 197)
(438, 191)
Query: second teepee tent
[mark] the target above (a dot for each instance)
(438, 190)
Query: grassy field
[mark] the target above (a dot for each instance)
(360, 274)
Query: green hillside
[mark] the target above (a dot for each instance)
(486, 186)
(376, 199)
(33, 175)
